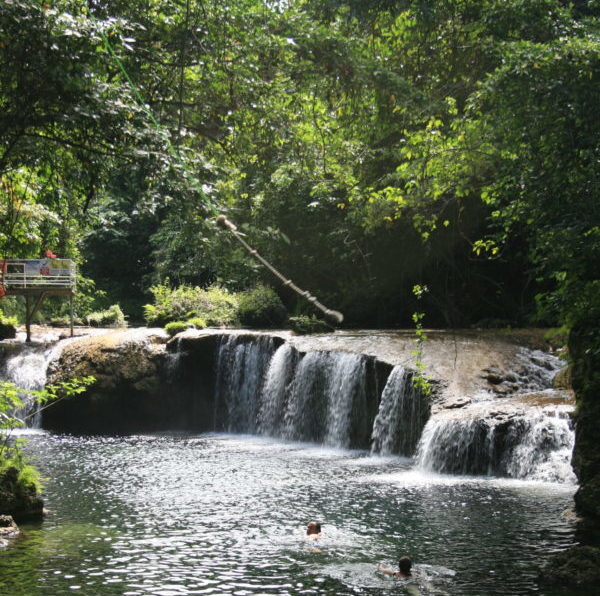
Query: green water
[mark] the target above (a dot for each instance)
(173, 515)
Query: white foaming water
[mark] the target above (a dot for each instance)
(331, 398)
(537, 369)
(543, 451)
(346, 392)
(327, 393)
(317, 396)
(535, 444)
(240, 371)
(279, 375)
(401, 416)
(302, 403)
(27, 370)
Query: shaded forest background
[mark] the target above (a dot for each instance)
(364, 147)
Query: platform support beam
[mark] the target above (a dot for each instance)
(30, 311)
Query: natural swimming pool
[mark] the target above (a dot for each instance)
(179, 514)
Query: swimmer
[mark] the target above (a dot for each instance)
(313, 530)
(404, 569)
(313, 533)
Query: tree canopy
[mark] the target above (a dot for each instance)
(363, 147)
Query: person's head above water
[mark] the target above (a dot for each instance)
(313, 528)
(404, 564)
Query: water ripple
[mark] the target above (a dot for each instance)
(176, 515)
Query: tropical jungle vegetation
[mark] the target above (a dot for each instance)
(364, 147)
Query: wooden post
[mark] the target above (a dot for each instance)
(71, 311)
(30, 311)
(27, 318)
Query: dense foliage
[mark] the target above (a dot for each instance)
(261, 307)
(212, 306)
(363, 147)
(20, 482)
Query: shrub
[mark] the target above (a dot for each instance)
(64, 321)
(261, 307)
(215, 305)
(20, 483)
(175, 327)
(304, 325)
(112, 317)
(8, 327)
(197, 323)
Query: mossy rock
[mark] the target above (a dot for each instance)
(304, 325)
(18, 499)
(562, 379)
(175, 327)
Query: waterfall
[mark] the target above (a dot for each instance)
(542, 449)
(317, 396)
(241, 366)
(402, 414)
(334, 397)
(303, 417)
(27, 369)
(326, 395)
(535, 444)
(278, 378)
(346, 397)
(457, 446)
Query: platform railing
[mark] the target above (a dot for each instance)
(38, 273)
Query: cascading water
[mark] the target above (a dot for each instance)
(27, 369)
(279, 376)
(534, 444)
(324, 396)
(346, 396)
(523, 431)
(402, 414)
(327, 394)
(318, 396)
(542, 449)
(241, 366)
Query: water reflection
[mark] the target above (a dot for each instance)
(222, 514)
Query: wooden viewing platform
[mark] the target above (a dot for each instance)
(35, 279)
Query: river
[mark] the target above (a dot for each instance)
(181, 514)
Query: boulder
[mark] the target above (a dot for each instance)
(17, 499)
(140, 385)
(8, 529)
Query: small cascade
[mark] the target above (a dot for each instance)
(542, 449)
(241, 367)
(327, 396)
(278, 378)
(173, 360)
(537, 369)
(535, 444)
(304, 413)
(27, 369)
(457, 446)
(518, 427)
(346, 397)
(402, 414)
